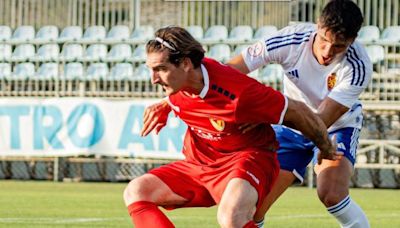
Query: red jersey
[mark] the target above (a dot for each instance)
(228, 99)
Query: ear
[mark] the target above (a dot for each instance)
(187, 64)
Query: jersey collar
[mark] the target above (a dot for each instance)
(206, 80)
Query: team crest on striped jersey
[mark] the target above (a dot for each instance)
(219, 125)
(331, 81)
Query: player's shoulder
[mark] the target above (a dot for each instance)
(298, 28)
(357, 55)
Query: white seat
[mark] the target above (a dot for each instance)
(119, 52)
(23, 71)
(23, 33)
(220, 52)
(122, 71)
(94, 33)
(46, 34)
(5, 33)
(240, 33)
(95, 52)
(47, 52)
(390, 35)
(216, 33)
(238, 49)
(5, 52)
(47, 71)
(196, 31)
(5, 70)
(73, 71)
(117, 33)
(264, 32)
(142, 73)
(96, 71)
(71, 52)
(23, 52)
(70, 33)
(272, 73)
(376, 53)
(139, 54)
(368, 34)
(142, 34)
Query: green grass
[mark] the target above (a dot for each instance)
(48, 204)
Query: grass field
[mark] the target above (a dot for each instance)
(48, 204)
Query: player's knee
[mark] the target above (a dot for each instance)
(135, 191)
(331, 196)
(229, 217)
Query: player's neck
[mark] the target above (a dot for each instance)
(195, 83)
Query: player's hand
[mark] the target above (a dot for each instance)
(155, 117)
(247, 127)
(331, 153)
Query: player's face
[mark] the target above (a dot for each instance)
(327, 47)
(164, 73)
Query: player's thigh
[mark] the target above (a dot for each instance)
(149, 187)
(239, 197)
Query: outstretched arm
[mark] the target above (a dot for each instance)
(300, 117)
(155, 116)
(238, 63)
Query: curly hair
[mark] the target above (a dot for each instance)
(179, 43)
(342, 17)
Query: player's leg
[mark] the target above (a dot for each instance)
(285, 179)
(172, 186)
(294, 154)
(143, 195)
(238, 204)
(333, 179)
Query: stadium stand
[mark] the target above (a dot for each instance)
(82, 68)
(5, 52)
(119, 53)
(5, 71)
(71, 52)
(5, 33)
(220, 52)
(142, 34)
(95, 52)
(70, 33)
(368, 34)
(23, 52)
(23, 71)
(390, 35)
(117, 33)
(73, 71)
(196, 31)
(94, 34)
(46, 34)
(122, 71)
(47, 71)
(24, 33)
(240, 34)
(215, 34)
(47, 52)
(264, 31)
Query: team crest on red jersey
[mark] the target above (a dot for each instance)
(219, 125)
(331, 81)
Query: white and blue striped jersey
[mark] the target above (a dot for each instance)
(310, 82)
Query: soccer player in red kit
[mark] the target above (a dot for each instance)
(222, 165)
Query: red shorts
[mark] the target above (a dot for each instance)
(203, 185)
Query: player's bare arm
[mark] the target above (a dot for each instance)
(238, 63)
(300, 117)
(329, 111)
(155, 117)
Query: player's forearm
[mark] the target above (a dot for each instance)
(238, 63)
(301, 118)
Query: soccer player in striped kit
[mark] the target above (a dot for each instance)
(326, 69)
(222, 164)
